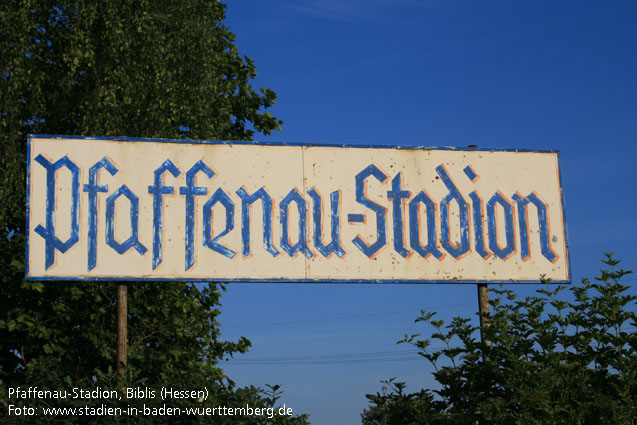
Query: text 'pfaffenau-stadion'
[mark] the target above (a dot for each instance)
(157, 209)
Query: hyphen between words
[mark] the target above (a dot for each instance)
(409, 211)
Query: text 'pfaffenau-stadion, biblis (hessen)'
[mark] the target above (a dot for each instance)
(203, 210)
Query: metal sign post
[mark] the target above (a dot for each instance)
(483, 309)
(122, 324)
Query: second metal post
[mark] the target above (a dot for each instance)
(122, 325)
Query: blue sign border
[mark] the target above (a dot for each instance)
(321, 281)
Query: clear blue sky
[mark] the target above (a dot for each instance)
(503, 74)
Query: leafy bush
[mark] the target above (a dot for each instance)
(547, 359)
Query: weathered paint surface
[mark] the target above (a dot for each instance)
(202, 210)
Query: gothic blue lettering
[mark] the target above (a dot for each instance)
(52, 242)
(478, 222)
(478, 215)
(190, 190)
(356, 218)
(133, 240)
(92, 188)
(468, 170)
(414, 226)
(335, 245)
(509, 249)
(397, 195)
(218, 196)
(493, 235)
(158, 190)
(246, 202)
(301, 245)
(542, 216)
(381, 212)
(445, 238)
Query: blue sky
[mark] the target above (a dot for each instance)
(502, 74)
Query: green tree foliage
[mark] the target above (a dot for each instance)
(393, 406)
(549, 359)
(159, 68)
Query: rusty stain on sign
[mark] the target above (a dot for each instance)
(145, 209)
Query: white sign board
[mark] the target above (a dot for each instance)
(143, 209)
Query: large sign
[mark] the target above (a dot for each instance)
(143, 209)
